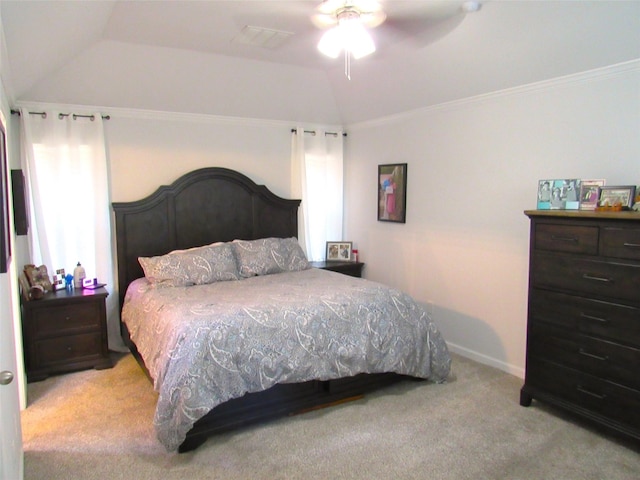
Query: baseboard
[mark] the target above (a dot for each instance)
(486, 360)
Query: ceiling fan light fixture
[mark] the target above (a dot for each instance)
(331, 43)
(348, 35)
(356, 39)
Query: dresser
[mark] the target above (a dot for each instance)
(583, 329)
(353, 269)
(65, 331)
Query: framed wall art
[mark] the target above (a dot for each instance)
(339, 251)
(392, 192)
(5, 238)
(619, 195)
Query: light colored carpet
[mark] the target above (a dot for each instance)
(97, 425)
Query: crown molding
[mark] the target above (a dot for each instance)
(587, 76)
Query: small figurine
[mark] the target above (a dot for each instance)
(68, 282)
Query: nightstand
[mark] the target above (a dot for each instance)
(65, 331)
(353, 269)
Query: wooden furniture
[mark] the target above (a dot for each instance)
(65, 331)
(353, 269)
(583, 332)
(218, 205)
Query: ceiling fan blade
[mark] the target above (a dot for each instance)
(373, 19)
(416, 32)
(323, 20)
(371, 13)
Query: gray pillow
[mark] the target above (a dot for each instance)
(269, 255)
(196, 266)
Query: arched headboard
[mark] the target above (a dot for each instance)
(201, 207)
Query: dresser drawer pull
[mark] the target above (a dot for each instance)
(586, 276)
(599, 396)
(584, 353)
(591, 317)
(562, 238)
(631, 245)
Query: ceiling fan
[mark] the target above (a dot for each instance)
(347, 23)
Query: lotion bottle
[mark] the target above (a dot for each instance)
(78, 275)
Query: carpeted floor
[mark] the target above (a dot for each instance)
(98, 425)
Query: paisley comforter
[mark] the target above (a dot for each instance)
(206, 344)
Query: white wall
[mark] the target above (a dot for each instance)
(151, 149)
(146, 149)
(473, 168)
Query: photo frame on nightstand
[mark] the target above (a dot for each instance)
(339, 251)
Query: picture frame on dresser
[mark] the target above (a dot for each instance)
(590, 193)
(339, 251)
(613, 195)
(559, 194)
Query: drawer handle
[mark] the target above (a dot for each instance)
(591, 317)
(583, 352)
(586, 276)
(564, 239)
(631, 245)
(599, 396)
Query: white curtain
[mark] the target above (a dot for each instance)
(317, 179)
(65, 165)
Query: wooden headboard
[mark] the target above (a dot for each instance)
(201, 207)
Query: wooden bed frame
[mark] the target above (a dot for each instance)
(218, 205)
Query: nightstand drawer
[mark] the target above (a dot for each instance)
(69, 348)
(567, 238)
(620, 243)
(64, 319)
(618, 280)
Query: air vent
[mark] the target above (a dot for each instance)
(262, 37)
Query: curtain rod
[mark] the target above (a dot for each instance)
(62, 115)
(313, 132)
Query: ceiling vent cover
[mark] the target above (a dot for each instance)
(262, 37)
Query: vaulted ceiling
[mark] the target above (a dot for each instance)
(184, 56)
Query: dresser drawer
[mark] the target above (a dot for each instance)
(619, 280)
(609, 400)
(592, 317)
(566, 238)
(69, 348)
(620, 242)
(65, 319)
(600, 358)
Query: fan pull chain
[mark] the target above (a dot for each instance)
(347, 63)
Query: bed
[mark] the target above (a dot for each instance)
(232, 326)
